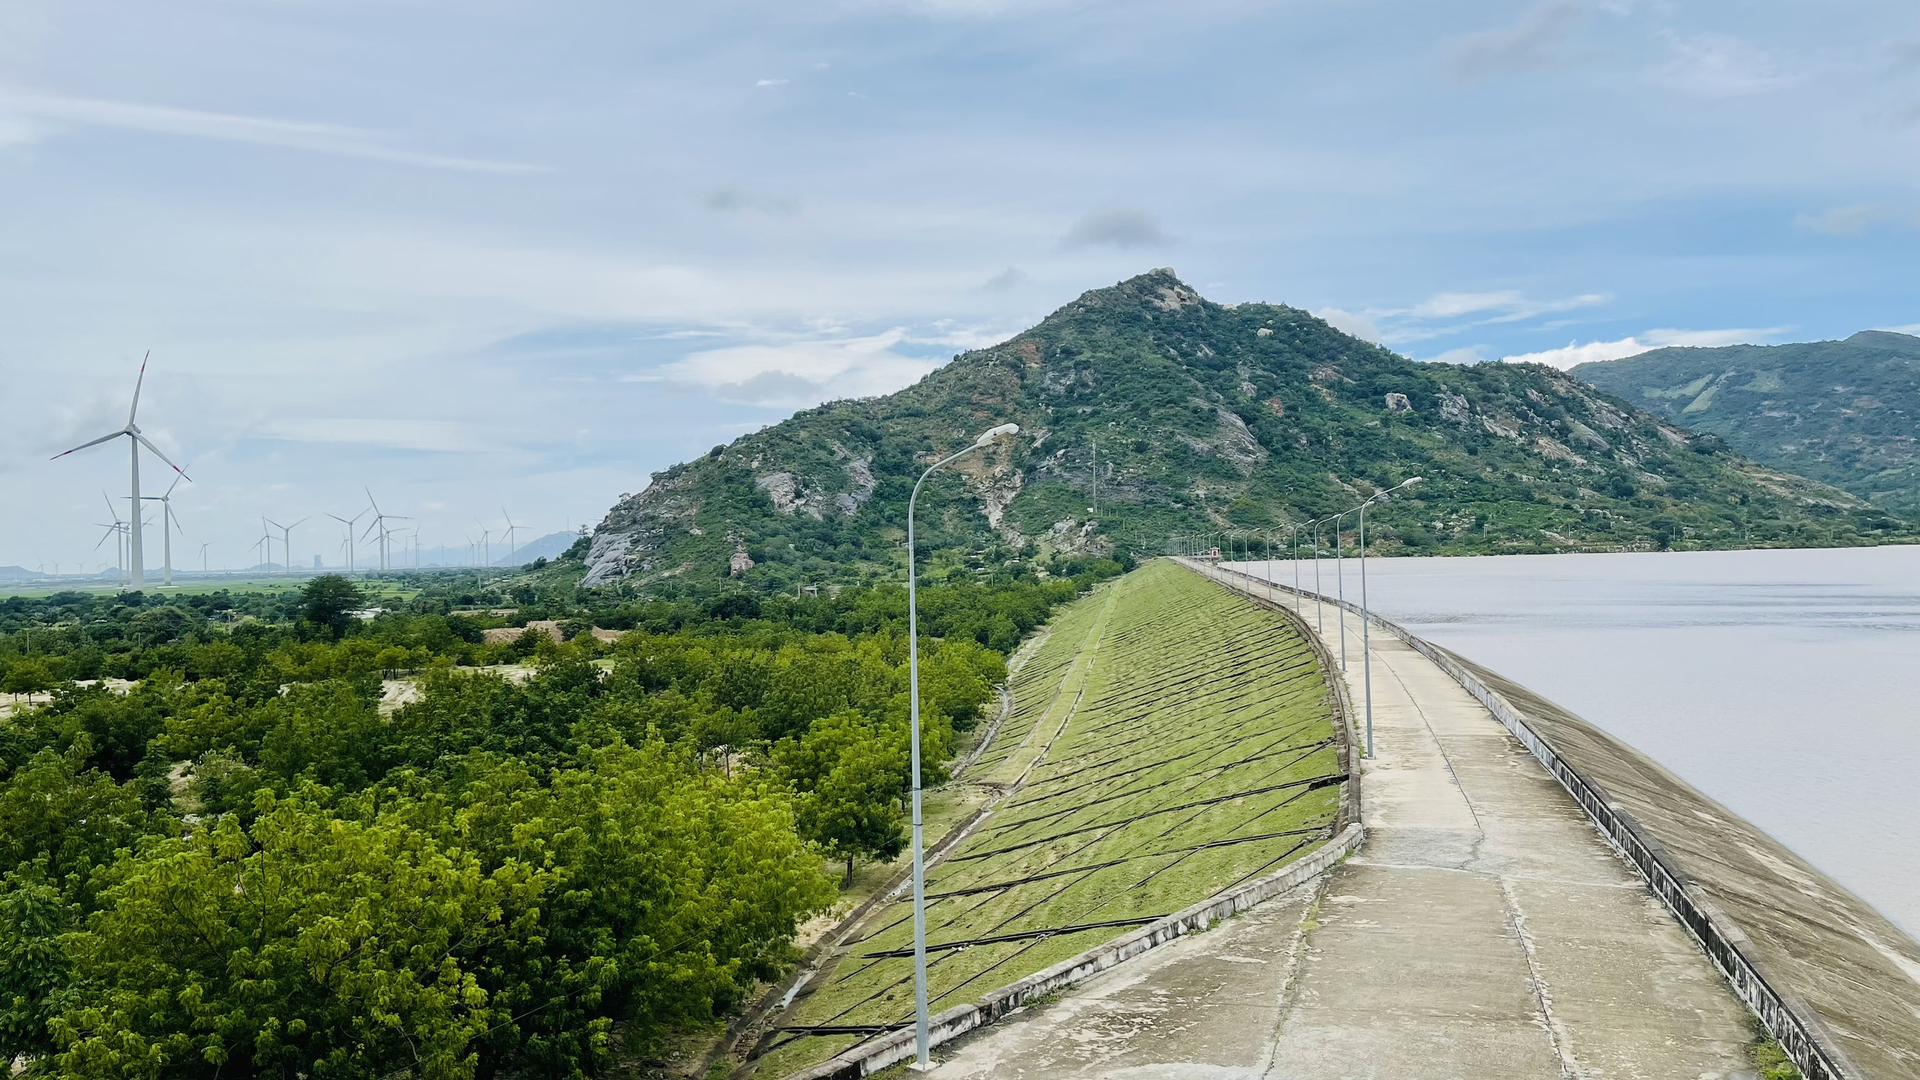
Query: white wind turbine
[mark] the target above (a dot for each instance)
(511, 529)
(380, 526)
(135, 440)
(286, 539)
(204, 545)
(486, 543)
(168, 522)
(348, 545)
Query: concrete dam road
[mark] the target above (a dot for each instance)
(1485, 931)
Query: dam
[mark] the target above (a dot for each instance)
(1518, 895)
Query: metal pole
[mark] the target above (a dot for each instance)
(1319, 622)
(1340, 588)
(921, 1043)
(1366, 637)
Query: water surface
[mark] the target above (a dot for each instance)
(1780, 683)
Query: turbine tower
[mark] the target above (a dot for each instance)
(168, 523)
(380, 526)
(135, 441)
(286, 539)
(349, 523)
(511, 529)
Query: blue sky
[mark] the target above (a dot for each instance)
(484, 254)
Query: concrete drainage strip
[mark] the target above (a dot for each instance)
(894, 1047)
(1716, 933)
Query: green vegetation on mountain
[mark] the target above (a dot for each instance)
(1846, 413)
(1206, 417)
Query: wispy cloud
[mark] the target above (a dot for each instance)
(768, 83)
(1718, 66)
(1575, 353)
(727, 199)
(435, 436)
(801, 373)
(1527, 45)
(1118, 226)
(26, 116)
(1844, 220)
(1351, 322)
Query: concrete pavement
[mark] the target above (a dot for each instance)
(1484, 931)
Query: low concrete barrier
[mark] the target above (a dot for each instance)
(875, 1054)
(1798, 1032)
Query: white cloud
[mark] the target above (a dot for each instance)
(1505, 305)
(1575, 353)
(1120, 226)
(772, 82)
(438, 436)
(1468, 354)
(1910, 328)
(1843, 220)
(1527, 45)
(802, 373)
(18, 109)
(1350, 322)
(1718, 66)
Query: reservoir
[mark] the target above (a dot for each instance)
(1780, 683)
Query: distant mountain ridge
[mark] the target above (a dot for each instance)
(1205, 416)
(1843, 412)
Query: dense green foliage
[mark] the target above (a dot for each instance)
(265, 855)
(1843, 412)
(1206, 417)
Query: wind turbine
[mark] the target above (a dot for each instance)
(349, 523)
(204, 545)
(486, 543)
(286, 539)
(511, 529)
(168, 522)
(380, 525)
(114, 530)
(119, 529)
(135, 441)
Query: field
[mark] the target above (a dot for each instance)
(200, 585)
(1168, 740)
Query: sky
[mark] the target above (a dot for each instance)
(488, 258)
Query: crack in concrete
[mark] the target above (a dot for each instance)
(1542, 993)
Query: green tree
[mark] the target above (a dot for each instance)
(308, 944)
(29, 675)
(848, 779)
(329, 601)
(33, 967)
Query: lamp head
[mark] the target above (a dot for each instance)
(1410, 481)
(988, 436)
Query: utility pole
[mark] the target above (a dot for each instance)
(1095, 443)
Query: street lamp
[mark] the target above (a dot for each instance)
(1366, 617)
(1340, 588)
(920, 1043)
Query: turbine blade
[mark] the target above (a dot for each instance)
(161, 456)
(84, 445)
(137, 383)
(176, 483)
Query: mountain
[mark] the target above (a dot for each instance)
(550, 546)
(1843, 412)
(1206, 416)
(19, 573)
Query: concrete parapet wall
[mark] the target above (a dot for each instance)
(875, 1054)
(1800, 1028)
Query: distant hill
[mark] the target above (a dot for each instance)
(19, 573)
(550, 546)
(1206, 416)
(1844, 412)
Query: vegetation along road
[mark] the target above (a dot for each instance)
(1168, 741)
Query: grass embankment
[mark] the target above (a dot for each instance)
(1174, 741)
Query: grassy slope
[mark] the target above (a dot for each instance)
(1843, 412)
(1159, 691)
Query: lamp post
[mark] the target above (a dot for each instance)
(921, 1047)
(1366, 615)
(1340, 587)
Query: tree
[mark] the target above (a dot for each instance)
(32, 966)
(330, 600)
(27, 676)
(848, 778)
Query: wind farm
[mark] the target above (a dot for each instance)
(373, 539)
